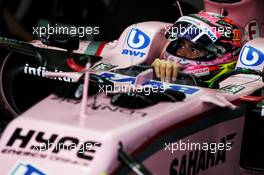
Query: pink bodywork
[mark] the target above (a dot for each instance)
(105, 125)
(246, 13)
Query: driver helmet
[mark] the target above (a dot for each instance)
(217, 36)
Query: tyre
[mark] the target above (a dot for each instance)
(20, 89)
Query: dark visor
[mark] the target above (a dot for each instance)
(192, 33)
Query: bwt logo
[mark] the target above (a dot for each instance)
(136, 40)
(26, 169)
(251, 56)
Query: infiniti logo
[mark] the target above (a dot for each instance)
(137, 39)
(40, 70)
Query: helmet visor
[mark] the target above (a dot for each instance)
(200, 36)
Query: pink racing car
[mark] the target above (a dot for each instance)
(144, 126)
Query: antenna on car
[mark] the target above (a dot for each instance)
(177, 2)
(85, 91)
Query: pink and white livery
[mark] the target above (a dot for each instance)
(202, 134)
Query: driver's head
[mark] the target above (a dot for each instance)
(201, 40)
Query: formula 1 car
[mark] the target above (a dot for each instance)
(186, 129)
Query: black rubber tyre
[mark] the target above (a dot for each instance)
(20, 91)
